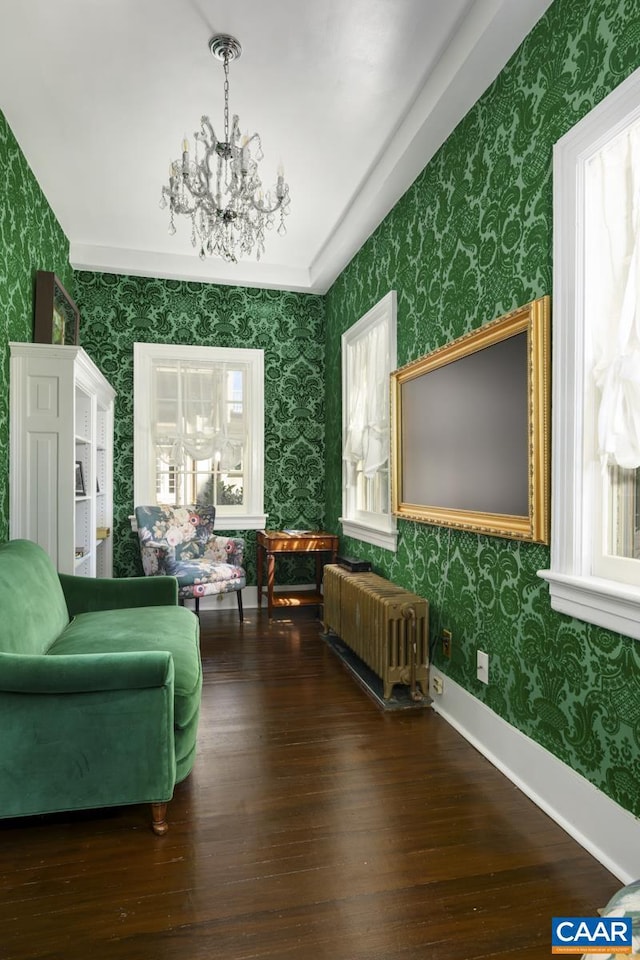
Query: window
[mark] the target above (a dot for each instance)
(368, 357)
(199, 429)
(595, 529)
(612, 261)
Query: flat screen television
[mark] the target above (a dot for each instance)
(470, 430)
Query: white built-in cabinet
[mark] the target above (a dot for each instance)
(61, 433)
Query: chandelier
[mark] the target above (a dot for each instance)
(218, 187)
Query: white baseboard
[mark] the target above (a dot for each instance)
(229, 601)
(606, 830)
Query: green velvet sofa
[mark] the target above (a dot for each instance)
(100, 685)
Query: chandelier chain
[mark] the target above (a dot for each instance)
(226, 98)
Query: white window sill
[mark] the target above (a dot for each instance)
(614, 606)
(387, 539)
(226, 522)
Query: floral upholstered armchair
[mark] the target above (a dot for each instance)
(180, 541)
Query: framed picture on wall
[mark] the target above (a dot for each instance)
(57, 318)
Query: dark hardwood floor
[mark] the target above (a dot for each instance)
(313, 826)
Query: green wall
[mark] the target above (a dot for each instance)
(31, 239)
(470, 240)
(118, 311)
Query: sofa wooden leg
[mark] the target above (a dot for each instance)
(159, 823)
(240, 612)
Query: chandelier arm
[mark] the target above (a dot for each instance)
(261, 208)
(205, 173)
(210, 142)
(199, 191)
(178, 205)
(256, 137)
(206, 128)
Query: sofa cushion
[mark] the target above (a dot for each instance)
(34, 611)
(143, 628)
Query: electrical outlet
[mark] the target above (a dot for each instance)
(446, 644)
(482, 666)
(438, 685)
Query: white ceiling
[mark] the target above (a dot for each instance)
(352, 96)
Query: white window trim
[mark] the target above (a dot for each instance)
(387, 539)
(144, 355)
(382, 531)
(573, 588)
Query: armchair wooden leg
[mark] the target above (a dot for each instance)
(159, 823)
(240, 613)
(197, 599)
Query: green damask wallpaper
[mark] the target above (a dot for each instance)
(31, 239)
(289, 327)
(470, 240)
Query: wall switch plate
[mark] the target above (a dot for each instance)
(482, 665)
(446, 643)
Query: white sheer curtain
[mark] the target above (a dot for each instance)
(614, 267)
(367, 435)
(197, 416)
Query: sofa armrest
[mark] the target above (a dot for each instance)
(85, 672)
(87, 594)
(85, 731)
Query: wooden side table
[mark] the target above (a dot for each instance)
(272, 542)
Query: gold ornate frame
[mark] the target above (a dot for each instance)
(534, 320)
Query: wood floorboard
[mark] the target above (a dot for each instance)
(313, 825)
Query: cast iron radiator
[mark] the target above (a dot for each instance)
(384, 625)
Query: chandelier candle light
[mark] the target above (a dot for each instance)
(219, 188)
